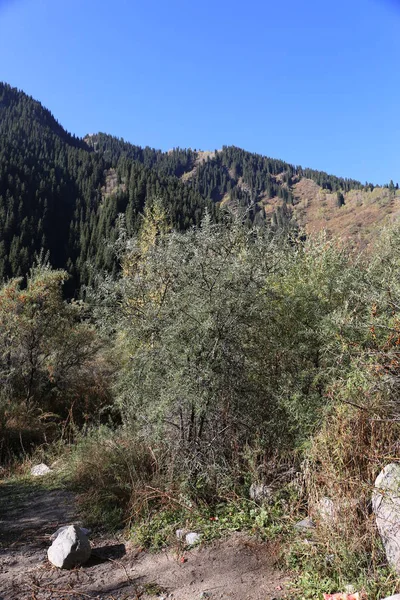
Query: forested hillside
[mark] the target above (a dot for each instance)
(63, 195)
(53, 193)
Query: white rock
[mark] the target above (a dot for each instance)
(327, 510)
(192, 538)
(39, 470)
(305, 524)
(395, 597)
(70, 548)
(61, 529)
(349, 589)
(386, 506)
(259, 492)
(180, 534)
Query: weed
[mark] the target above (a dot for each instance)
(153, 589)
(343, 461)
(317, 572)
(212, 522)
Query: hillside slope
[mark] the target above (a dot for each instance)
(52, 193)
(62, 194)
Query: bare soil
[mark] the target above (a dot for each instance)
(236, 568)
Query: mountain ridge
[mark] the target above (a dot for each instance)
(53, 187)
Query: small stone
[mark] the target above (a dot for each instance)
(39, 470)
(192, 538)
(260, 492)
(308, 542)
(349, 589)
(394, 597)
(70, 548)
(329, 559)
(305, 524)
(327, 510)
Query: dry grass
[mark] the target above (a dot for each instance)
(358, 221)
(111, 185)
(343, 462)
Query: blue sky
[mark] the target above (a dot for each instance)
(314, 82)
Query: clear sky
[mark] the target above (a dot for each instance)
(313, 82)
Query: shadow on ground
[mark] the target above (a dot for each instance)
(29, 513)
(102, 554)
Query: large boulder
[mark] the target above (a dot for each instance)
(386, 506)
(70, 548)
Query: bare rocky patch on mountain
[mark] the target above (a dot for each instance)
(359, 220)
(202, 156)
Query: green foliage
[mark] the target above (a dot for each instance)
(189, 327)
(52, 192)
(358, 437)
(340, 199)
(226, 336)
(49, 367)
(158, 530)
(318, 571)
(237, 347)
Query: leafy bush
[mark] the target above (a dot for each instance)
(358, 437)
(51, 371)
(225, 337)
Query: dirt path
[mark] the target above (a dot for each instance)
(237, 568)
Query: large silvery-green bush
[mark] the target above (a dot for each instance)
(224, 334)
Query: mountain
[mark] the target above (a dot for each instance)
(54, 193)
(62, 194)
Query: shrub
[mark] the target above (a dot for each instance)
(115, 474)
(357, 438)
(51, 370)
(224, 336)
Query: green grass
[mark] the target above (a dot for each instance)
(158, 530)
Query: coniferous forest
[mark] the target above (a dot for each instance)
(62, 195)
